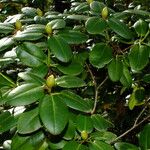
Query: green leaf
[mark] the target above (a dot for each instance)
(105, 136)
(115, 70)
(28, 122)
(100, 55)
(31, 78)
(77, 17)
(36, 28)
(95, 25)
(125, 146)
(56, 145)
(30, 54)
(146, 78)
(75, 68)
(6, 28)
(25, 94)
(100, 123)
(57, 23)
(5, 81)
(60, 48)
(73, 145)
(126, 78)
(7, 121)
(70, 82)
(29, 11)
(70, 131)
(99, 145)
(141, 27)
(75, 101)
(82, 7)
(120, 28)
(32, 142)
(144, 139)
(28, 36)
(84, 123)
(138, 57)
(73, 37)
(97, 6)
(54, 114)
(6, 42)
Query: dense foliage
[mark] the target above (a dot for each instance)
(74, 76)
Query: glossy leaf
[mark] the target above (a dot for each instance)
(6, 42)
(73, 145)
(141, 27)
(74, 101)
(120, 28)
(125, 146)
(138, 57)
(54, 114)
(126, 78)
(99, 145)
(57, 23)
(100, 55)
(105, 136)
(56, 145)
(33, 142)
(84, 123)
(73, 37)
(74, 68)
(95, 25)
(70, 131)
(60, 48)
(97, 6)
(100, 123)
(28, 122)
(115, 70)
(6, 81)
(7, 121)
(30, 54)
(28, 36)
(25, 94)
(70, 82)
(146, 78)
(144, 139)
(6, 28)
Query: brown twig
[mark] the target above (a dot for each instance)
(136, 124)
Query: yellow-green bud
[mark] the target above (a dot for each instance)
(50, 82)
(89, 1)
(48, 29)
(39, 12)
(84, 135)
(18, 24)
(104, 13)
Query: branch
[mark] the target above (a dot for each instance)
(136, 124)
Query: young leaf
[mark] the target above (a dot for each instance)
(54, 114)
(100, 55)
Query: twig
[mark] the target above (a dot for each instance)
(136, 124)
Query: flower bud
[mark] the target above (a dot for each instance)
(104, 13)
(39, 12)
(18, 24)
(50, 82)
(48, 29)
(89, 1)
(84, 135)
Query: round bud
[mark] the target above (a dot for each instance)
(84, 135)
(89, 1)
(39, 12)
(48, 29)
(50, 82)
(18, 24)
(104, 13)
